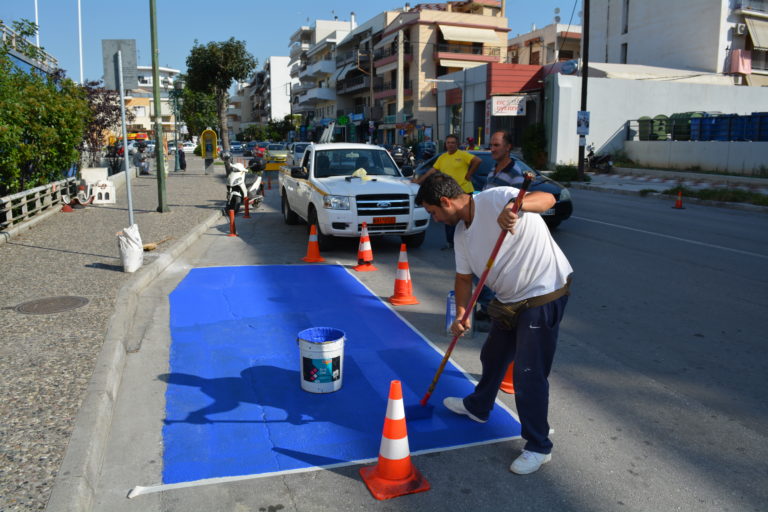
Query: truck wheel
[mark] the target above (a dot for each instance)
(289, 216)
(414, 241)
(325, 242)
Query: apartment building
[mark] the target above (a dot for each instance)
(547, 45)
(313, 64)
(142, 103)
(423, 43)
(714, 36)
(239, 112)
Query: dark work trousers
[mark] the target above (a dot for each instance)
(531, 345)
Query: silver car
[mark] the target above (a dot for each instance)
(295, 153)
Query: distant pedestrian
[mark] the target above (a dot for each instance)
(530, 277)
(460, 166)
(182, 158)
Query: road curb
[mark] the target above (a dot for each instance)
(74, 487)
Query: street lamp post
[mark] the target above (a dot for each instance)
(178, 86)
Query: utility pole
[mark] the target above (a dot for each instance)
(584, 80)
(162, 199)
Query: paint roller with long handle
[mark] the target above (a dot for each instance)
(478, 288)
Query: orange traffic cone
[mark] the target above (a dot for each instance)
(403, 287)
(508, 385)
(66, 208)
(232, 231)
(313, 248)
(679, 202)
(269, 182)
(394, 475)
(364, 252)
(247, 214)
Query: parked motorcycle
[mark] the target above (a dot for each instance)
(601, 163)
(237, 191)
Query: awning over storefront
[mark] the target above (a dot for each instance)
(758, 29)
(463, 64)
(385, 41)
(469, 35)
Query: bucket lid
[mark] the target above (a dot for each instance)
(321, 334)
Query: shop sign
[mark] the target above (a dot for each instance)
(508, 105)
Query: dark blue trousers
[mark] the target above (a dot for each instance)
(531, 345)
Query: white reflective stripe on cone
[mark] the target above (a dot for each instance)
(313, 238)
(365, 246)
(394, 449)
(403, 258)
(395, 410)
(403, 274)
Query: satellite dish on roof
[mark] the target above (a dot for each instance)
(557, 19)
(557, 10)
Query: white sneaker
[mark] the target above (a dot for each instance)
(456, 405)
(528, 462)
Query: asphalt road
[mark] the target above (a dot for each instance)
(657, 391)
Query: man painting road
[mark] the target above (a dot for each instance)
(530, 278)
(457, 164)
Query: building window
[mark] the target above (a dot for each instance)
(625, 17)
(759, 60)
(623, 53)
(140, 111)
(565, 55)
(535, 58)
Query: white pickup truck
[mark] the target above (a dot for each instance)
(330, 190)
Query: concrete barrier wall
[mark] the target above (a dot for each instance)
(745, 158)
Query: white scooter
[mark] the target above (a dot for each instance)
(236, 187)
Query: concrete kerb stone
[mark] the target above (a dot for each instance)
(75, 483)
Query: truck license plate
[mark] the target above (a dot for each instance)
(383, 220)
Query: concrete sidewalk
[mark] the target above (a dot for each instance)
(48, 360)
(623, 180)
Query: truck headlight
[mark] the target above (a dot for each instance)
(336, 202)
(565, 195)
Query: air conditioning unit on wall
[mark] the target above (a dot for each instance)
(740, 29)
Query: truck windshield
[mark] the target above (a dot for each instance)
(343, 162)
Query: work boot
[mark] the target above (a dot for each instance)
(529, 462)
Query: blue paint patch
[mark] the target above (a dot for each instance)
(234, 405)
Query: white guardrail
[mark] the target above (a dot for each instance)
(18, 208)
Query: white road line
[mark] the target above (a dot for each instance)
(694, 242)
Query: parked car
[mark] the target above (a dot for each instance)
(295, 152)
(188, 147)
(235, 146)
(275, 156)
(553, 217)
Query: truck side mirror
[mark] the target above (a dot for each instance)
(299, 172)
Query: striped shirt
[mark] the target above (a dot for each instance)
(509, 176)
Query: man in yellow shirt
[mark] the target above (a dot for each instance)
(457, 164)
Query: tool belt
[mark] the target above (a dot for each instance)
(506, 314)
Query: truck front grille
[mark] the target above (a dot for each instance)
(384, 228)
(382, 205)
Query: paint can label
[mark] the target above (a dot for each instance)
(321, 370)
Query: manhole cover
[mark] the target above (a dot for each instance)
(51, 305)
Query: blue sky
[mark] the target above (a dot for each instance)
(265, 25)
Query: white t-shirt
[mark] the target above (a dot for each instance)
(529, 262)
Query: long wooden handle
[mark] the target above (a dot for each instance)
(471, 304)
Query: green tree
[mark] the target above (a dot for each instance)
(213, 67)
(42, 121)
(198, 110)
(104, 105)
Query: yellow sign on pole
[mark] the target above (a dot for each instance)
(209, 144)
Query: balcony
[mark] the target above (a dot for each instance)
(351, 57)
(319, 68)
(297, 49)
(753, 5)
(386, 89)
(316, 95)
(352, 84)
(301, 87)
(384, 53)
(467, 52)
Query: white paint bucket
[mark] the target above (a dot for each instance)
(322, 359)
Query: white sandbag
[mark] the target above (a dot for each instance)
(131, 249)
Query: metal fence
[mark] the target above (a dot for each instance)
(22, 206)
